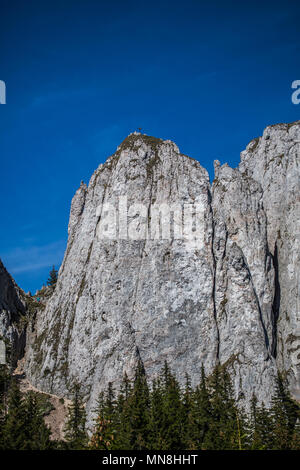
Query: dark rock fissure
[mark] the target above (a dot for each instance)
(214, 287)
(276, 302)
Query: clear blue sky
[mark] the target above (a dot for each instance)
(81, 75)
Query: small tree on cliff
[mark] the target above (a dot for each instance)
(52, 277)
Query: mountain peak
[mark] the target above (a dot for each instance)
(136, 139)
(144, 294)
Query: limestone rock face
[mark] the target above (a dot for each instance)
(12, 309)
(244, 282)
(273, 161)
(231, 297)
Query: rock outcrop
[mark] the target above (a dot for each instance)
(12, 317)
(273, 161)
(230, 297)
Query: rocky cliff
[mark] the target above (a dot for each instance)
(12, 317)
(156, 294)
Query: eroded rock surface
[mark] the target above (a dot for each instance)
(273, 161)
(12, 315)
(232, 299)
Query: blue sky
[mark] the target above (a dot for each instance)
(82, 75)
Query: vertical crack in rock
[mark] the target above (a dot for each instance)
(276, 302)
(214, 287)
(139, 358)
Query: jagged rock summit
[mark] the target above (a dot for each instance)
(232, 299)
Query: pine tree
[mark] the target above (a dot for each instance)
(14, 428)
(214, 439)
(139, 410)
(207, 418)
(261, 426)
(156, 435)
(105, 423)
(227, 430)
(173, 413)
(201, 414)
(284, 414)
(295, 440)
(52, 277)
(36, 433)
(75, 433)
(189, 418)
(124, 431)
(98, 440)
(4, 380)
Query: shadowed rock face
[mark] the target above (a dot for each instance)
(12, 308)
(233, 299)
